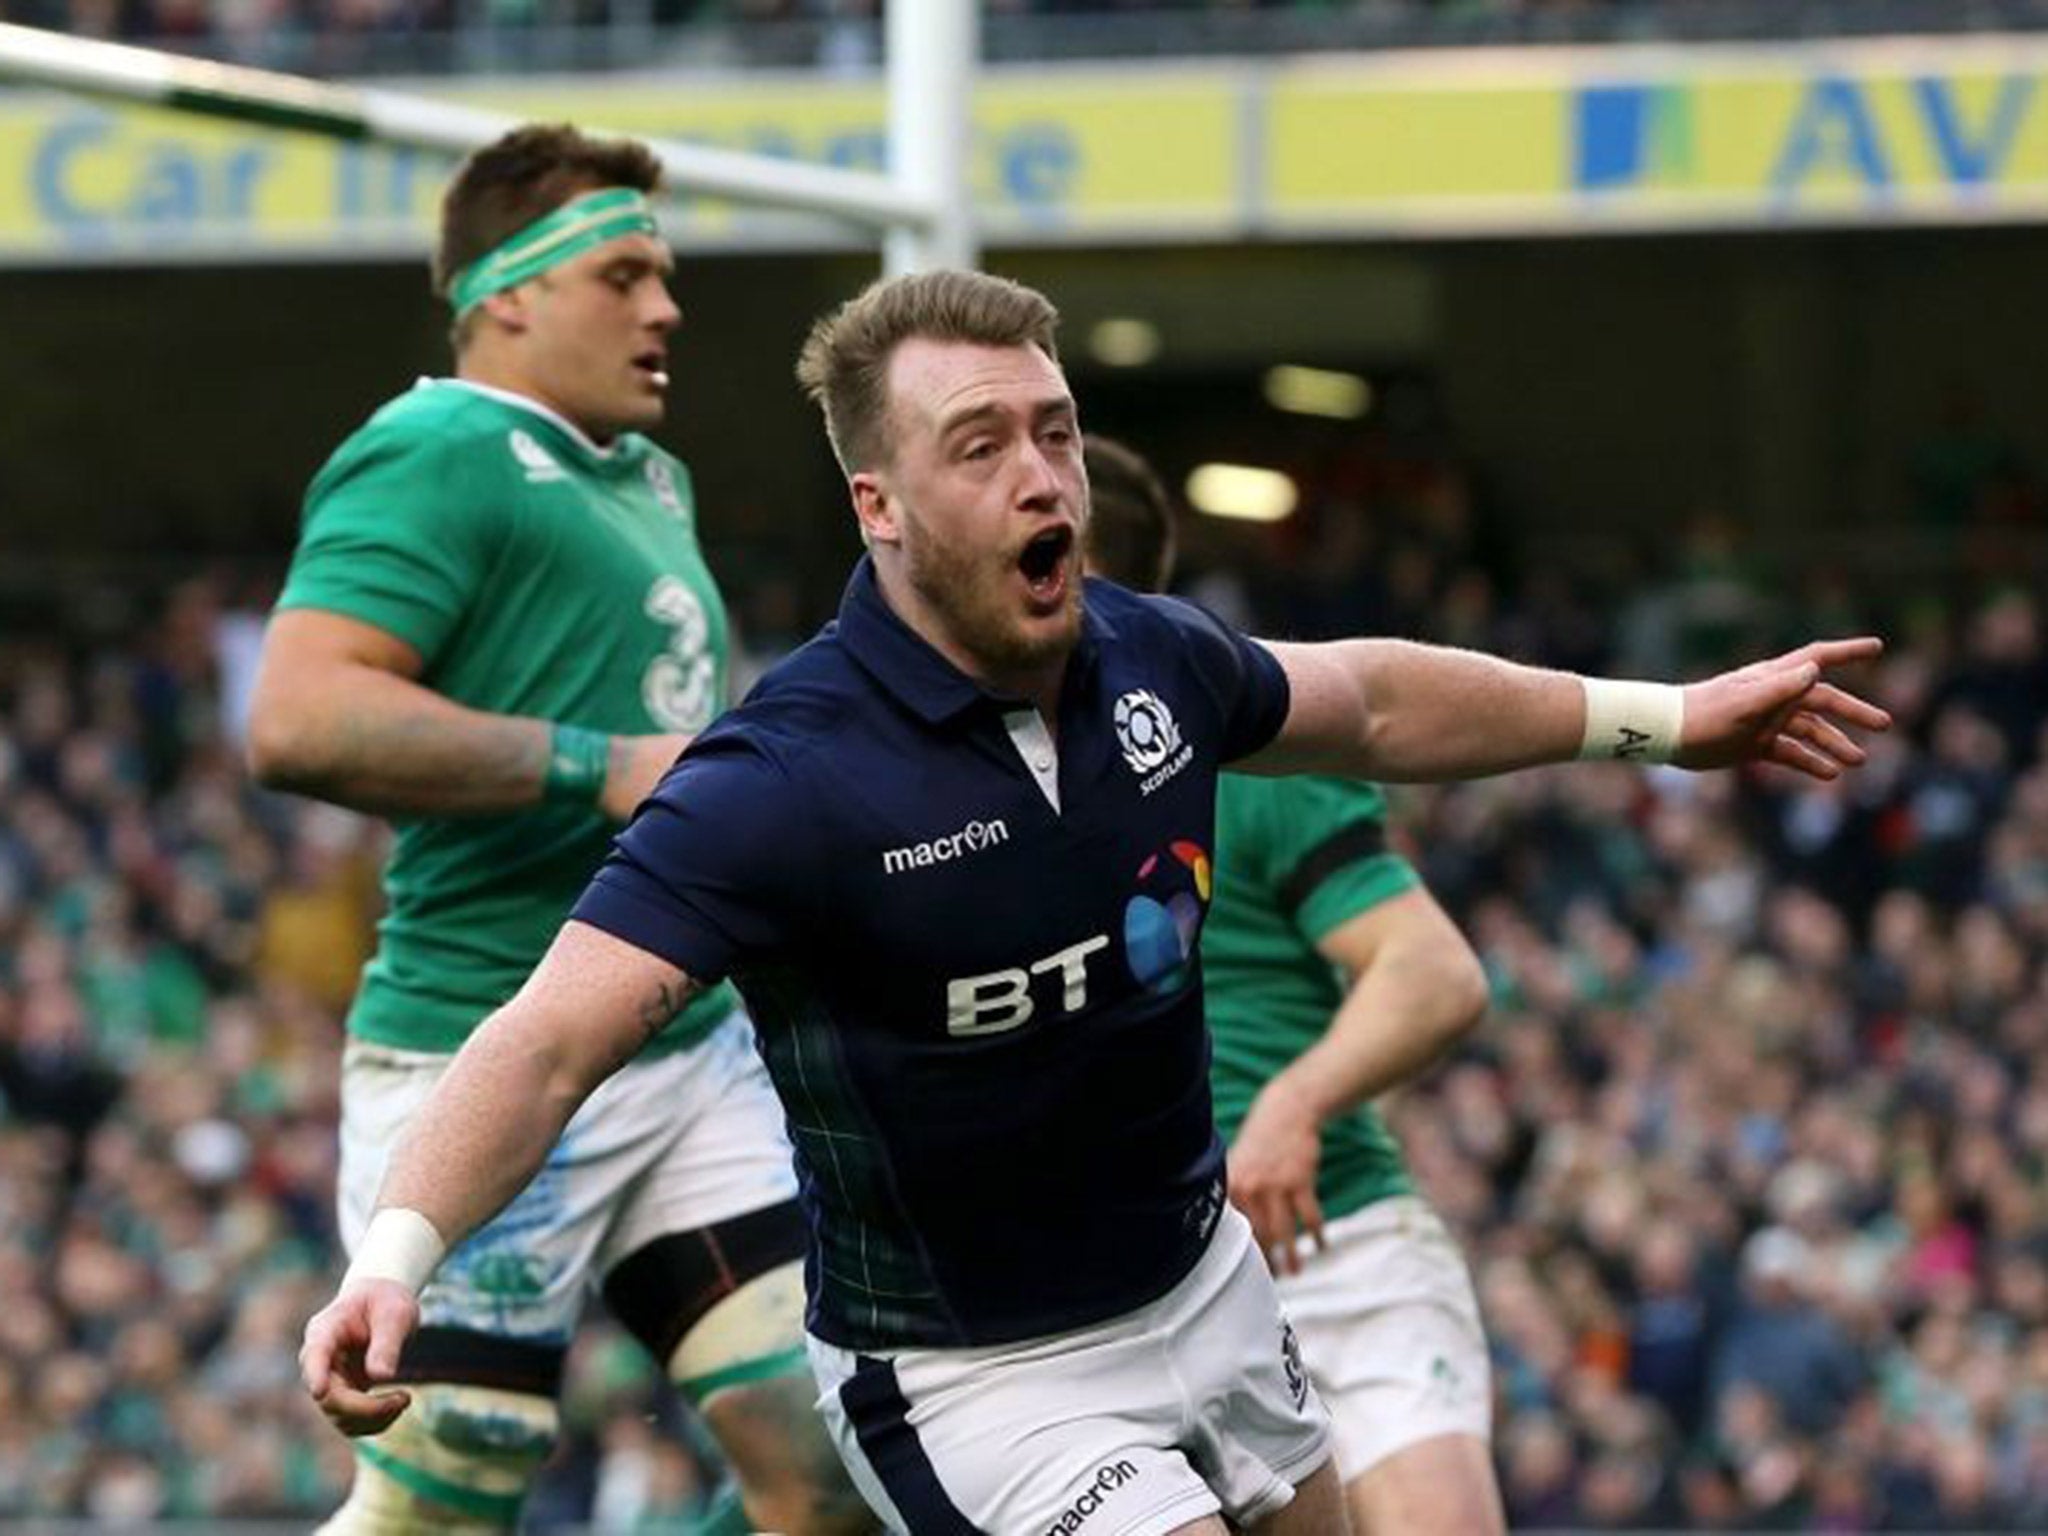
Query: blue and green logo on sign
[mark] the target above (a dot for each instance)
(1632, 136)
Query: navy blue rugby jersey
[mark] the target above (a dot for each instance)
(982, 1012)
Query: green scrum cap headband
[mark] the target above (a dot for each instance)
(572, 229)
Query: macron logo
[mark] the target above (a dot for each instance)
(1108, 1478)
(972, 838)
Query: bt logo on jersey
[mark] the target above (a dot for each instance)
(996, 1001)
(1161, 924)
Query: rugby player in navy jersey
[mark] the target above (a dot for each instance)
(955, 851)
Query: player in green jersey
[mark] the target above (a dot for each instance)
(1308, 892)
(498, 630)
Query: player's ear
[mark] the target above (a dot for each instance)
(874, 507)
(507, 307)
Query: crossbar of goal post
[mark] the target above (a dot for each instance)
(920, 210)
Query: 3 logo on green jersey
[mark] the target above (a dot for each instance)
(680, 686)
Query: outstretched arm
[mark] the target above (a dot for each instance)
(588, 1008)
(339, 713)
(1390, 709)
(1416, 989)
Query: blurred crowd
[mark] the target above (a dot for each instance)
(176, 951)
(171, 956)
(431, 36)
(1751, 1158)
(191, 19)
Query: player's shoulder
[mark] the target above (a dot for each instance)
(812, 695)
(1155, 618)
(437, 409)
(1168, 641)
(760, 768)
(1144, 612)
(1250, 805)
(1275, 827)
(1361, 796)
(436, 421)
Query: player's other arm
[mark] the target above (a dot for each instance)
(587, 1009)
(1416, 989)
(1390, 709)
(339, 713)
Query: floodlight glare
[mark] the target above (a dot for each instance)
(1124, 342)
(1318, 392)
(1242, 491)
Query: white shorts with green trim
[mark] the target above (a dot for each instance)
(1391, 1333)
(669, 1144)
(1192, 1404)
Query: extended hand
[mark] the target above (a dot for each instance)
(351, 1348)
(637, 764)
(1780, 711)
(1273, 1165)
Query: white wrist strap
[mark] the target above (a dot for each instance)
(400, 1245)
(1632, 722)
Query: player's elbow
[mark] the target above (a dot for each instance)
(1444, 978)
(284, 749)
(1462, 991)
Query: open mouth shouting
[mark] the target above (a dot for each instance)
(1047, 564)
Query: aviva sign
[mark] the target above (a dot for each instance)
(1862, 137)
(1509, 141)
(1831, 136)
(1580, 140)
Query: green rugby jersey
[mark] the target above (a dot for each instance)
(535, 574)
(1295, 859)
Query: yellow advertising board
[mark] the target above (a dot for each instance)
(1054, 157)
(1441, 143)
(1584, 139)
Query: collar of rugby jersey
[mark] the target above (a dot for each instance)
(622, 454)
(907, 666)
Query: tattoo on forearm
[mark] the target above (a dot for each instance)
(420, 755)
(654, 1011)
(658, 1007)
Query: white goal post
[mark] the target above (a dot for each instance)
(920, 210)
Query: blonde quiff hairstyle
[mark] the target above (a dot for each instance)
(844, 365)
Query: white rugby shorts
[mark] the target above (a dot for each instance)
(667, 1144)
(1391, 1332)
(1193, 1404)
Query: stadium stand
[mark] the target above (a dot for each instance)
(469, 36)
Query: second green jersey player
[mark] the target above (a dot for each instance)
(499, 631)
(1330, 976)
(1308, 855)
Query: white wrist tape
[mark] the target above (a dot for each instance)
(1632, 722)
(400, 1245)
